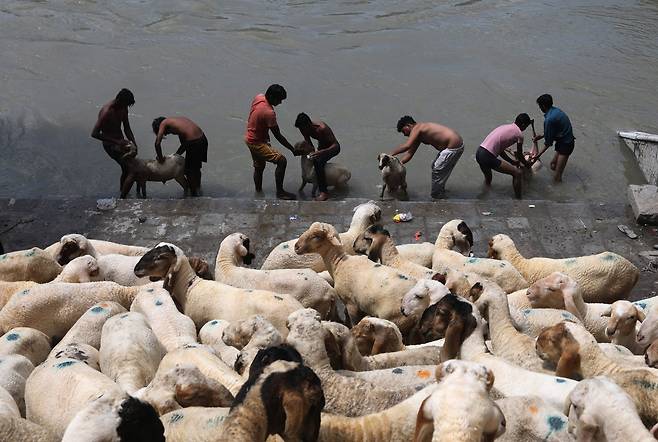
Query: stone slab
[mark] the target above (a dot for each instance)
(644, 202)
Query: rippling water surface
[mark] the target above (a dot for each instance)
(359, 65)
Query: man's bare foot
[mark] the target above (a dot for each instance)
(553, 164)
(322, 197)
(283, 195)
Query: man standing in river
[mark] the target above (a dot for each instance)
(108, 128)
(447, 141)
(328, 148)
(262, 120)
(193, 143)
(558, 130)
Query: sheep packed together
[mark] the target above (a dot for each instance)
(338, 337)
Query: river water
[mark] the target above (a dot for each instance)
(358, 65)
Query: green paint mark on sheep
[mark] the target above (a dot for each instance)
(285, 246)
(620, 349)
(215, 322)
(398, 370)
(24, 292)
(647, 385)
(502, 265)
(149, 290)
(29, 253)
(472, 260)
(642, 305)
(97, 309)
(175, 418)
(216, 421)
(13, 336)
(560, 380)
(401, 276)
(526, 312)
(3, 257)
(609, 257)
(158, 302)
(570, 261)
(64, 364)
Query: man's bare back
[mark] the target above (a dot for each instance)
(433, 134)
(185, 128)
(108, 127)
(323, 134)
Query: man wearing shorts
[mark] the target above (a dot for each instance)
(447, 141)
(494, 145)
(262, 120)
(193, 143)
(328, 148)
(558, 130)
(108, 128)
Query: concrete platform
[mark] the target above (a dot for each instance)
(539, 228)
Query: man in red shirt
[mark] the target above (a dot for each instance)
(262, 120)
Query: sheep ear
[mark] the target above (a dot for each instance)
(570, 304)
(490, 379)
(168, 283)
(293, 407)
(654, 431)
(441, 277)
(475, 292)
(567, 406)
(334, 240)
(424, 426)
(589, 428)
(333, 351)
(242, 250)
(93, 269)
(641, 316)
(453, 340)
(607, 312)
(568, 366)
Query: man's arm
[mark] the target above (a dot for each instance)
(158, 141)
(127, 130)
(98, 133)
(410, 147)
(508, 159)
(329, 138)
(519, 154)
(281, 139)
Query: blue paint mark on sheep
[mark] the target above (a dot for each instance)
(29, 253)
(175, 418)
(609, 257)
(24, 292)
(502, 265)
(647, 385)
(285, 246)
(124, 316)
(641, 304)
(158, 302)
(215, 421)
(560, 380)
(472, 260)
(570, 261)
(401, 276)
(65, 364)
(397, 370)
(13, 336)
(377, 265)
(149, 290)
(556, 423)
(526, 312)
(566, 315)
(97, 309)
(3, 257)
(215, 322)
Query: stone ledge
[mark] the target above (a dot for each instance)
(644, 202)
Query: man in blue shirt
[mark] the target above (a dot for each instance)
(557, 129)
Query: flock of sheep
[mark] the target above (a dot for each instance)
(338, 337)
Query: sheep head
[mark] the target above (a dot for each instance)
(81, 352)
(370, 242)
(451, 318)
(318, 238)
(648, 331)
(81, 269)
(556, 344)
(478, 372)
(623, 315)
(365, 215)
(416, 300)
(238, 244)
(307, 335)
(303, 148)
(71, 247)
(498, 244)
(384, 160)
(161, 262)
(651, 355)
(201, 267)
(456, 234)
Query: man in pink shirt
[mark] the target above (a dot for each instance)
(262, 120)
(494, 145)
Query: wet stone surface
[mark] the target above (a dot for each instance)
(198, 225)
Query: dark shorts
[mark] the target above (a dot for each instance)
(196, 152)
(486, 159)
(115, 151)
(565, 148)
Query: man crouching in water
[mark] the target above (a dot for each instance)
(192, 141)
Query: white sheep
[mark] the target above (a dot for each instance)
(54, 308)
(25, 341)
(420, 253)
(140, 170)
(377, 244)
(394, 176)
(361, 284)
(344, 395)
(205, 423)
(14, 371)
(250, 335)
(336, 175)
(172, 328)
(600, 410)
(651, 355)
(621, 326)
(101, 247)
(183, 386)
(130, 352)
(531, 418)
(456, 233)
(576, 354)
(8, 407)
(424, 293)
(395, 424)
(512, 380)
(204, 300)
(28, 265)
(81, 269)
(373, 336)
(648, 331)
(606, 277)
(211, 334)
(110, 267)
(305, 285)
(19, 429)
(460, 409)
(81, 352)
(7, 289)
(283, 256)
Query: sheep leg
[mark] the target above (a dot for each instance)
(381, 196)
(141, 188)
(183, 183)
(302, 186)
(127, 185)
(314, 191)
(377, 346)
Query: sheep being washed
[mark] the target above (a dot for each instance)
(336, 175)
(140, 170)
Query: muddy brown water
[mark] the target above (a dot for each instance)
(358, 65)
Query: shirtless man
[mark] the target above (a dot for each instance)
(108, 128)
(447, 141)
(328, 148)
(192, 141)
